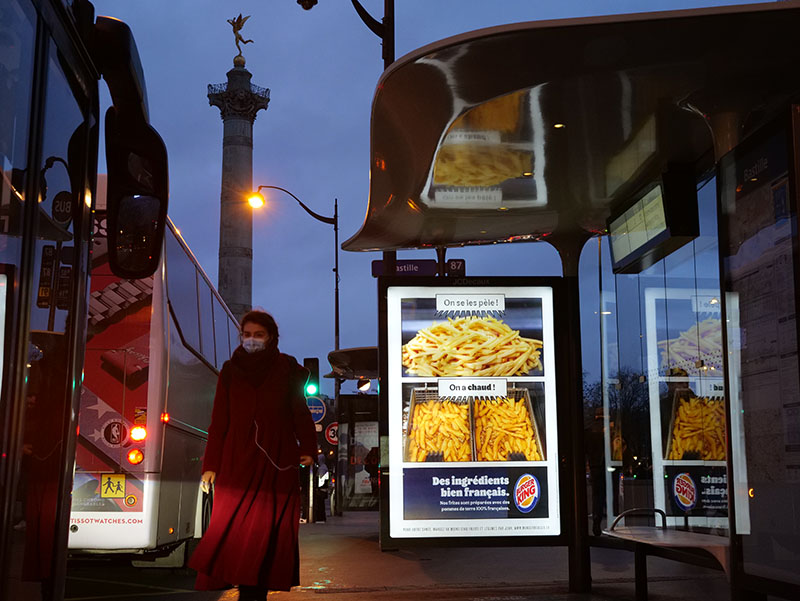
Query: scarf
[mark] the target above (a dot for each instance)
(255, 367)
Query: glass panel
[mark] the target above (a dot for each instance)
(53, 324)
(628, 408)
(191, 385)
(16, 66)
(206, 320)
(221, 333)
(233, 335)
(758, 233)
(17, 35)
(666, 353)
(182, 290)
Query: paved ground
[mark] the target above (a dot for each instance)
(340, 560)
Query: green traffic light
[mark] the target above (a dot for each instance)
(311, 388)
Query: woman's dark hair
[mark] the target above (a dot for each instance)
(263, 319)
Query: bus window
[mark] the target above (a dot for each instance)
(16, 74)
(221, 320)
(233, 335)
(182, 291)
(206, 320)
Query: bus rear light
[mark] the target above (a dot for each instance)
(138, 433)
(165, 417)
(135, 456)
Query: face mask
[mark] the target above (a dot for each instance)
(253, 345)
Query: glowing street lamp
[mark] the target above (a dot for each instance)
(256, 200)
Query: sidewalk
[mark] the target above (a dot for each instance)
(341, 559)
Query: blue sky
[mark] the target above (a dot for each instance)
(321, 67)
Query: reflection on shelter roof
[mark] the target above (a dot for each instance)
(354, 363)
(526, 130)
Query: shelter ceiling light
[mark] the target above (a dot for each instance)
(363, 384)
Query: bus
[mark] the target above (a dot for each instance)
(53, 54)
(153, 352)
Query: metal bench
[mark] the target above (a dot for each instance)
(679, 545)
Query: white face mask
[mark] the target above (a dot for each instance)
(253, 345)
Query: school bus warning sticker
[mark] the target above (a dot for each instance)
(112, 486)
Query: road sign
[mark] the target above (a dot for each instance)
(332, 433)
(44, 295)
(317, 407)
(407, 267)
(62, 207)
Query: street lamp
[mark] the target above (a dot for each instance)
(385, 31)
(256, 200)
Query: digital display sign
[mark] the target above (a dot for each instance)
(472, 410)
(657, 222)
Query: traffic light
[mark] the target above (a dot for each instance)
(312, 384)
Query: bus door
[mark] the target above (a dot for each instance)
(48, 165)
(46, 157)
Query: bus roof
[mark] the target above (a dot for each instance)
(584, 113)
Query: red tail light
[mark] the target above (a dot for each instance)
(135, 456)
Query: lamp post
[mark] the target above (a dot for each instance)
(384, 29)
(257, 200)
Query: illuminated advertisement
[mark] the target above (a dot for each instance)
(471, 411)
(687, 408)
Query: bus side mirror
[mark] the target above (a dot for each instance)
(136, 158)
(138, 191)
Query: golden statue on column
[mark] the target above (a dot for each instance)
(237, 25)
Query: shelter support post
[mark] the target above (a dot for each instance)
(441, 261)
(569, 247)
(640, 571)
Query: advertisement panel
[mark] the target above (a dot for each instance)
(112, 498)
(471, 410)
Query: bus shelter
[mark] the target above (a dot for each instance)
(657, 153)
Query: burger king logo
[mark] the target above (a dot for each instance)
(526, 493)
(684, 491)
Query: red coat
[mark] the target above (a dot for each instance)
(253, 532)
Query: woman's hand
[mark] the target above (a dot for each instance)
(207, 479)
(304, 460)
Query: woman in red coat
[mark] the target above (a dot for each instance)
(261, 430)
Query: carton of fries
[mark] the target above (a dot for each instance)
(505, 428)
(472, 429)
(438, 429)
(697, 428)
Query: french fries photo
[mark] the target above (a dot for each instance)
(503, 426)
(440, 427)
(471, 346)
(482, 165)
(699, 430)
(703, 341)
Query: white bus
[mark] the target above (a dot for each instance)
(154, 349)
